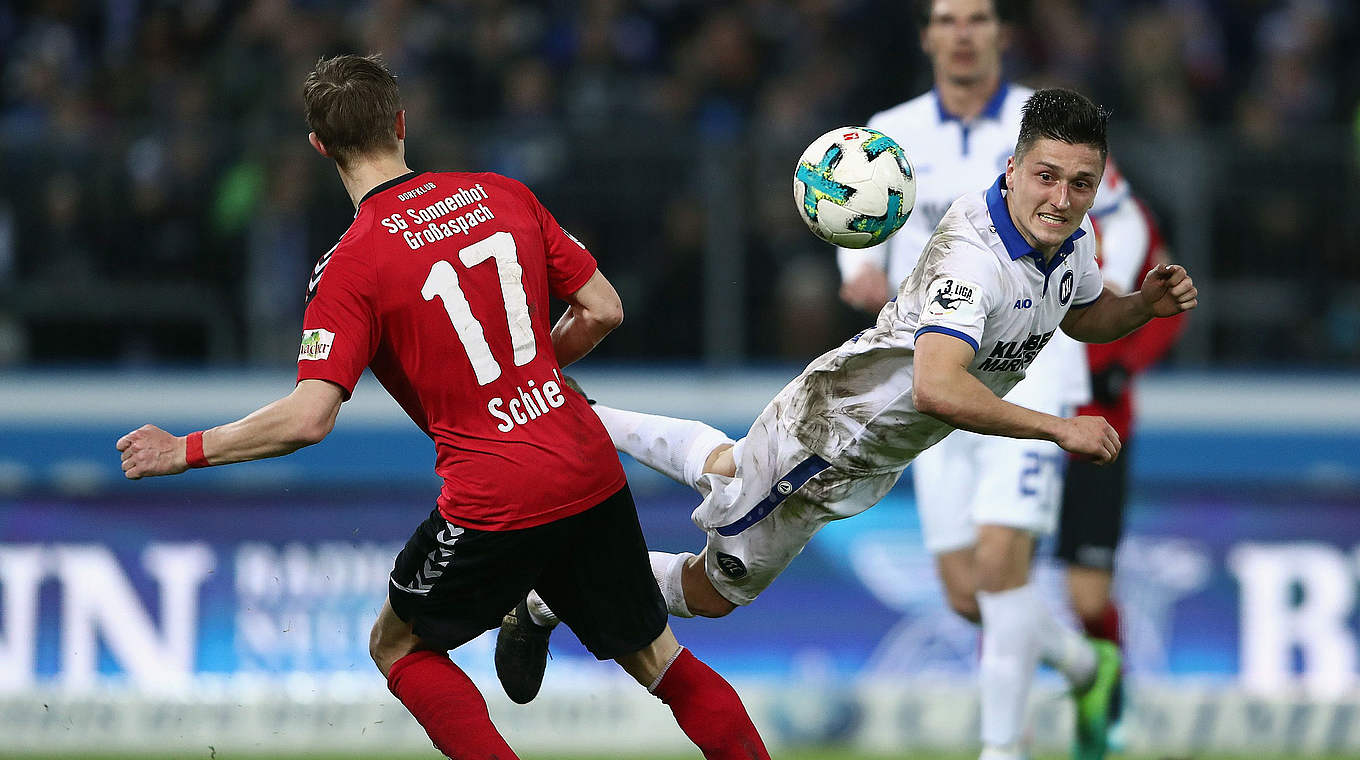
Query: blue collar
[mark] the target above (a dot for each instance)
(1011, 237)
(990, 111)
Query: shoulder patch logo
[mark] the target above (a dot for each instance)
(316, 344)
(947, 295)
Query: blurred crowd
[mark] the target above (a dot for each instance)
(160, 202)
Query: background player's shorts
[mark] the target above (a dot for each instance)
(453, 583)
(1093, 512)
(967, 480)
(760, 519)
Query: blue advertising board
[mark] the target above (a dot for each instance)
(1240, 563)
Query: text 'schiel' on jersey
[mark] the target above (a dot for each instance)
(441, 286)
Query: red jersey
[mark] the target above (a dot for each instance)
(440, 286)
(1144, 347)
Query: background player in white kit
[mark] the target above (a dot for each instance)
(837, 438)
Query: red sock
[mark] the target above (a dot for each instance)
(1106, 625)
(709, 711)
(446, 702)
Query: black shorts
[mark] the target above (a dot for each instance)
(1092, 519)
(453, 583)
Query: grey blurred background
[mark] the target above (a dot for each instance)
(159, 203)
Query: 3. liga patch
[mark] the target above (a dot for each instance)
(316, 344)
(947, 295)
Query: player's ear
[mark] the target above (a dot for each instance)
(401, 124)
(1010, 170)
(316, 143)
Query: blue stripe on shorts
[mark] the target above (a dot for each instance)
(778, 493)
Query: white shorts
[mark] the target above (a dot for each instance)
(760, 519)
(968, 480)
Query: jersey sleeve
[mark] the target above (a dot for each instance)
(570, 265)
(340, 327)
(960, 295)
(1090, 283)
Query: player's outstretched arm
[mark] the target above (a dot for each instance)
(943, 388)
(592, 312)
(299, 419)
(1167, 291)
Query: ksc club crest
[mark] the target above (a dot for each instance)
(1065, 287)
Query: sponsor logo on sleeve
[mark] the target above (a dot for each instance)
(316, 344)
(948, 295)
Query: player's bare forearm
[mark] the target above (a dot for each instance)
(963, 402)
(593, 311)
(578, 332)
(299, 419)
(1110, 318)
(1167, 290)
(943, 388)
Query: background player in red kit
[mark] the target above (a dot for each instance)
(1091, 521)
(441, 287)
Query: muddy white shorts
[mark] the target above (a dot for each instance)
(781, 494)
(968, 480)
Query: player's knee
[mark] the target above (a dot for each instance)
(385, 649)
(701, 596)
(710, 606)
(721, 462)
(1002, 558)
(1090, 607)
(965, 605)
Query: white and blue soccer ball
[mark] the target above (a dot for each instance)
(854, 187)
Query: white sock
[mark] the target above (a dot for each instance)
(667, 569)
(539, 612)
(1065, 650)
(1010, 655)
(673, 447)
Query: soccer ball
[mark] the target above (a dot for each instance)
(854, 187)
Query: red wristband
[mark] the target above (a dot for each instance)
(193, 450)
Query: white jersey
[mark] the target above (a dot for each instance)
(951, 158)
(979, 281)
(1123, 230)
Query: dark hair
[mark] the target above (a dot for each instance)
(351, 103)
(923, 8)
(1063, 115)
